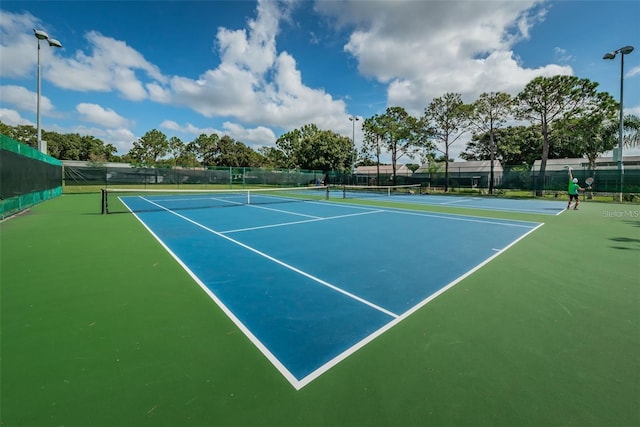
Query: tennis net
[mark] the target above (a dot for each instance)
(362, 191)
(117, 200)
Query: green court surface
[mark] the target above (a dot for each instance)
(100, 326)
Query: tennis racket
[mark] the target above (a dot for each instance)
(588, 181)
(589, 196)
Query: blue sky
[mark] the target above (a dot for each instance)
(254, 70)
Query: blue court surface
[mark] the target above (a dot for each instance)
(543, 207)
(311, 282)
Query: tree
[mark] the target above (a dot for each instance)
(290, 145)
(489, 113)
(448, 116)
(63, 147)
(631, 125)
(176, 148)
(546, 101)
(93, 149)
(205, 148)
(399, 135)
(315, 149)
(235, 153)
(70, 146)
(150, 148)
(515, 145)
(590, 134)
(272, 157)
(26, 134)
(373, 134)
(412, 166)
(6, 130)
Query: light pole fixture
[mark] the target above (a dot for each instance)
(611, 55)
(353, 120)
(41, 35)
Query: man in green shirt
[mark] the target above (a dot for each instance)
(574, 191)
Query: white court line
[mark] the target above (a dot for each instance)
(425, 202)
(277, 261)
(526, 224)
(454, 217)
(284, 224)
(455, 201)
(495, 208)
(232, 202)
(283, 211)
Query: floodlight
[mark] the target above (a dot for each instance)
(611, 55)
(41, 35)
(626, 50)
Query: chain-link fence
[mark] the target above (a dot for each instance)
(116, 175)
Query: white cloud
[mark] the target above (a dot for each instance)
(225, 91)
(423, 49)
(13, 118)
(25, 100)
(18, 49)
(257, 50)
(112, 65)
(255, 84)
(170, 124)
(562, 55)
(188, 129)
(98, 115)
(157, 93)
(633, 71)
(632, 110)
(259, 136)
(120, 138)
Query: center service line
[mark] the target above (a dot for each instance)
(284, 224)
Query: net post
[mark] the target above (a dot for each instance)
(327, 193)
(344, 191)
(103, 201)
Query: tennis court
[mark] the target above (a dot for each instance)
(303, 310)
(411, 194)
(298, 278)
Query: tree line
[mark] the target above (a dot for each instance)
(552, 117)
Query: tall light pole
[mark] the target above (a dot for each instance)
(611, 55)
(41, 35)
(353, 144)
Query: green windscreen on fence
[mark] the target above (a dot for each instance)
(27, 177)
(127, 175)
